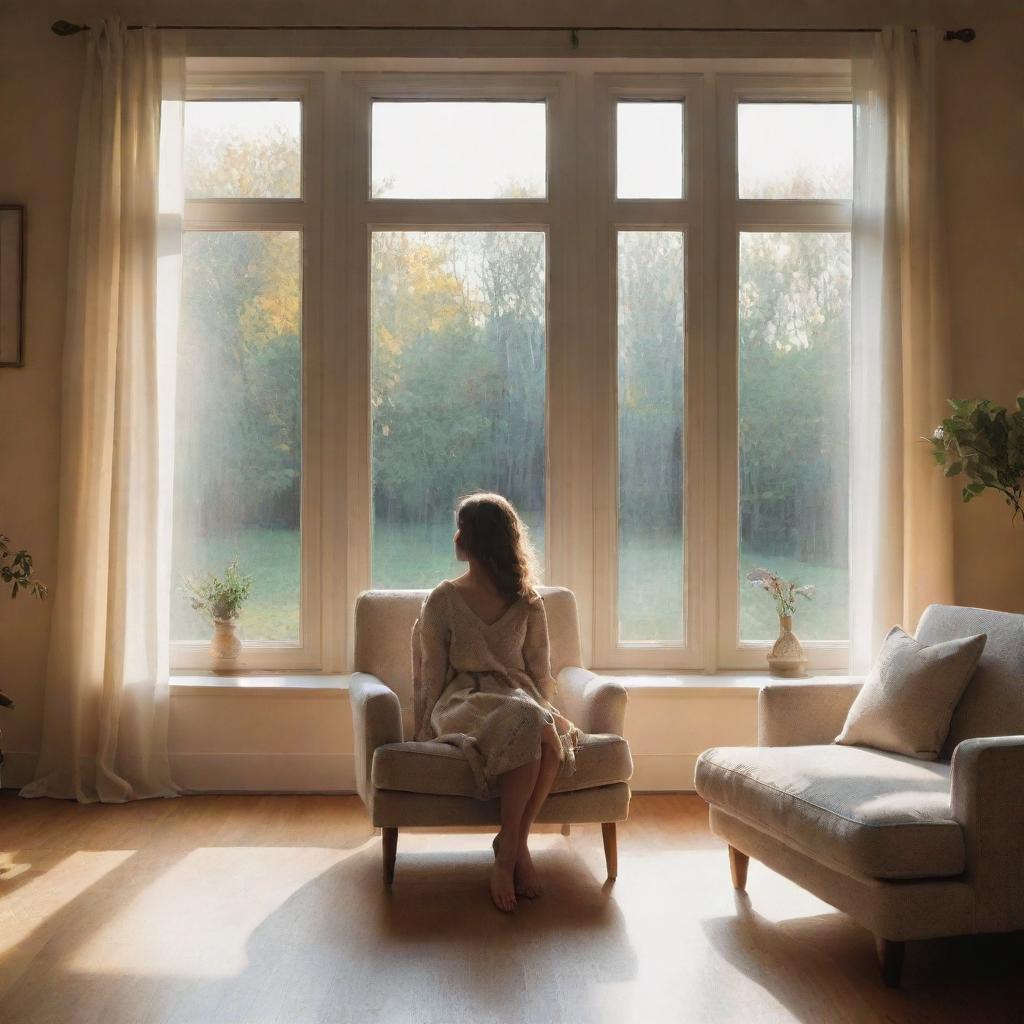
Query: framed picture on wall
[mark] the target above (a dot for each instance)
(12, 285)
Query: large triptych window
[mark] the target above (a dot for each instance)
(600, 288)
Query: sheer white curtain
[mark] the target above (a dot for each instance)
(106, 708)
(901, 506)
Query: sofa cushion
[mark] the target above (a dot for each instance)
(441, 768)
(907, 700)
(865, 812)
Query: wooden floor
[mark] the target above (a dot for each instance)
(260, 909)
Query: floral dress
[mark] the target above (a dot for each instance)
(486, 687)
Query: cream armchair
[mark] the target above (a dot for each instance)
(911, 849)
(407, 783)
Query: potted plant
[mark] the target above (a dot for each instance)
(16, 569)
(221, 599)
(985, 443)
(786, 657)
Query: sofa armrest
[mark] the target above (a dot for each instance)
(988, 802)
(595, 703)
(376, 720)
(803, 714)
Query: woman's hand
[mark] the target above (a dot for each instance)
(562, 724)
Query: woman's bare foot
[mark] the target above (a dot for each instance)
(527, 882)
(503, 891)
(526, 877)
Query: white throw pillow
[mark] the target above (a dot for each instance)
(907, 701)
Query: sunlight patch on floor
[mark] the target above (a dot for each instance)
(196, 918)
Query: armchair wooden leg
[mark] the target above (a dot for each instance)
(738, 863)
(890, 959)
(565, 829)
(611, 849)
(389, 847)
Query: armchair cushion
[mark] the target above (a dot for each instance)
(865, 812)
(442, 769)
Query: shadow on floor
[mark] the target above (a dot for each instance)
(824, 968)
(339, 946)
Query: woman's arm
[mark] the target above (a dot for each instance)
(430, 638)
(536, 650)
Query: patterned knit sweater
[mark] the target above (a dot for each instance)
(485, 687)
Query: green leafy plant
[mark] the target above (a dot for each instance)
(783, 592)
(16, 569)
(985, 443)
(220, 598)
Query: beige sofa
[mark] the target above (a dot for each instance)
(405, 784)
(910, 849)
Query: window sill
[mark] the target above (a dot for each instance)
(690, 684)
(697, 684)
(261, 684)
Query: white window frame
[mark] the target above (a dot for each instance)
(580, 216)
(302, 214)
(735, 216)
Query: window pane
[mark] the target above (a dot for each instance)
(238, 426)
(458, 379)
(795, 150)
(649, 139)
(650, 356)
(459, 150)
(794, 395)
(243, 149)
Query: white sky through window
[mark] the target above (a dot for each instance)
(779, 143)
(649, 143)
(482, 150)
(459, 150)
(245, 118)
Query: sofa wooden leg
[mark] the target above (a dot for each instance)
(890, 959)
(611, 849)
(738, 863)
(389, 847)
(565, 829)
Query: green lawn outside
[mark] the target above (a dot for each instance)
(412, 557)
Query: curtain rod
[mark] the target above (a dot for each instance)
(68, 28)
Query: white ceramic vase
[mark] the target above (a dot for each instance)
(225, 645)
(787, 658)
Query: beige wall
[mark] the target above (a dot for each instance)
(982, 146)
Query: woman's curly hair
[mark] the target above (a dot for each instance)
(491, 530)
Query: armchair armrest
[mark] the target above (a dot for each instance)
(595, 703)
(803, 714)
(988, 802)
(376, 719)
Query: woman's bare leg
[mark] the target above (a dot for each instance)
(514, 789)
(528, 882)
